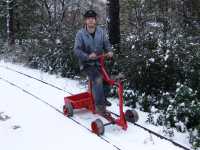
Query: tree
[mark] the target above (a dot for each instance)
(7, 22)
(114, 22)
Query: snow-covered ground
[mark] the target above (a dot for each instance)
(27, 123)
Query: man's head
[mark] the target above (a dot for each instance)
(90, 18)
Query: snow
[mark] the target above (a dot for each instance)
(40, 127)
(58, 41)
(152, 60)
(27, 123)
(166, 55)
(104, 1)
(155, 24)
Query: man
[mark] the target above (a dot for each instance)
(90, 42)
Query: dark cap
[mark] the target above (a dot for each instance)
(90, 13)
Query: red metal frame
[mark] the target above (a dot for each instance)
(85, 99)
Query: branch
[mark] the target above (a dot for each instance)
(65, 8)
(7, 1)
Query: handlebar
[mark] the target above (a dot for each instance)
(102, 55)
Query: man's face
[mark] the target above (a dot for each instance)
(90, 22)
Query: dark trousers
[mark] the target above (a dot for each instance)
(95, 77)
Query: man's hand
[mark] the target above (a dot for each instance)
(110, 54)
(93, 56)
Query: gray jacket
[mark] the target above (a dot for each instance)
(85, 44)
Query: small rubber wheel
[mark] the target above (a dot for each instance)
(68, 109)
(97, 127)
(131, 116)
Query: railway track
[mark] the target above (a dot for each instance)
(106, 139)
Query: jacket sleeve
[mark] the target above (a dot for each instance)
(78, 48)
(106, 43)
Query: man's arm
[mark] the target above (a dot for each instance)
(78, 48)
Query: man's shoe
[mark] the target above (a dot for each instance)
(107, 103)
(100, 109)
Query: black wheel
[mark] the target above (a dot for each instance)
(68, 109)
(97, 127)
(131, 116)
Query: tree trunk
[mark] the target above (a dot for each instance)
(114, 22)
(10, 23)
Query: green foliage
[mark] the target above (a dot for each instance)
(187, 106)
(2, 19)
(195, 138)
(160, 48)
(26, 17)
